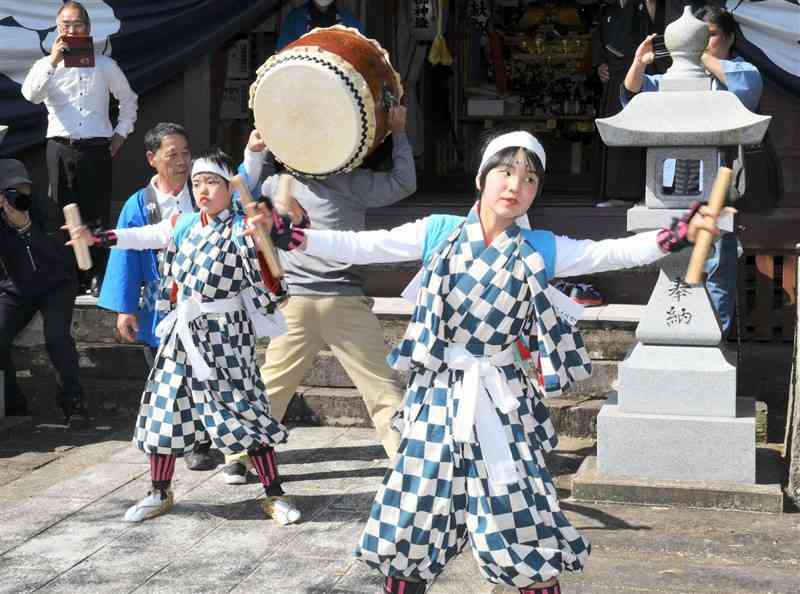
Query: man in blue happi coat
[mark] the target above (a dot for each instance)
(133, 277)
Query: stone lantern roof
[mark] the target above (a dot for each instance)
(686, 112)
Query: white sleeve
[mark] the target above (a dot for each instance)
(270, 186)
(253, 163)
(128, 100)
(149, 237)
(399, 244)
(34, 88)
(585, 256)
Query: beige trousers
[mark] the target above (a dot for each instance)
(348, 326)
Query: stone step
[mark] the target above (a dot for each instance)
(12, 427)
(113, 377)
(608, 329)
(114, 372)
(608, 332)
(128, 362)
(311, 405)
(344, 407)
(110, 397)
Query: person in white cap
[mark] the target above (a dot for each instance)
(216, 297)
(470, 467)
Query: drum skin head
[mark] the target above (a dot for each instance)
(308, 116)
(320, 102)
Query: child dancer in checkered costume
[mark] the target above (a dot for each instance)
(215, 290)
(470, 466)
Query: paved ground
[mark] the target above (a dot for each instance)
(63, 493)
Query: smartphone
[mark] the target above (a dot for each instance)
(79, 52)
(662, 53)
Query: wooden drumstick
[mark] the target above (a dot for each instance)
(716, 202)
(264, 240)
(72, 217)
(284, 200)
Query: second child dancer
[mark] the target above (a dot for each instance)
(215, 292)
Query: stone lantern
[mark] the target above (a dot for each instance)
(675, 426)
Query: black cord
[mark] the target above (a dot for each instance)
(737, 6)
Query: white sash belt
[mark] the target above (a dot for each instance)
(179, 318)
(264, 325)
(483, 379)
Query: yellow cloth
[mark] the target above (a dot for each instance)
(439, 54)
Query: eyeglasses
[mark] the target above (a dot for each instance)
(173, 156)
(72, 25)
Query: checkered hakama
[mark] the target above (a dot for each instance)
(212, 262)
(437, 495)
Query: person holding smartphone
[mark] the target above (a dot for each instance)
(81, 139)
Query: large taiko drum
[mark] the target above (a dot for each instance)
(321, 104)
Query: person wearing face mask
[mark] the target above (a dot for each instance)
(37, 274)
(312, 14)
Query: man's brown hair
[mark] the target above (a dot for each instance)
(80, 8)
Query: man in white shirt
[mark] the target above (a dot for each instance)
(81, 140)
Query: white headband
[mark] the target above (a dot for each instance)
(207, 166)
(519, 139)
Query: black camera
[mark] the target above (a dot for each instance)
(16, 199)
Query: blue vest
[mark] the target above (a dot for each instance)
(438, 228)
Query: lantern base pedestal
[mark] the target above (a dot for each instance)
(591, 486)
(678, 447)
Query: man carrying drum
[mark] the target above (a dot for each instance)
(328, 305)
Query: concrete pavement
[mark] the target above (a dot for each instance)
(63, 494)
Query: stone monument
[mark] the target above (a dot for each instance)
(675, 426)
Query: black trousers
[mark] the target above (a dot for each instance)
(623, 168)
(81, 173)
(56, 307)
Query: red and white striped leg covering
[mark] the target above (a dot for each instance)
(263, 459)
(162, 467)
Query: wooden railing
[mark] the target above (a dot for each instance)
(767, 290)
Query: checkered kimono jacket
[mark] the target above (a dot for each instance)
(209, 260)
(437, 496)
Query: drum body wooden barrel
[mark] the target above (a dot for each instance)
(321, 104)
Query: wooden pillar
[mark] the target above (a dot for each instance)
(197, 93)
